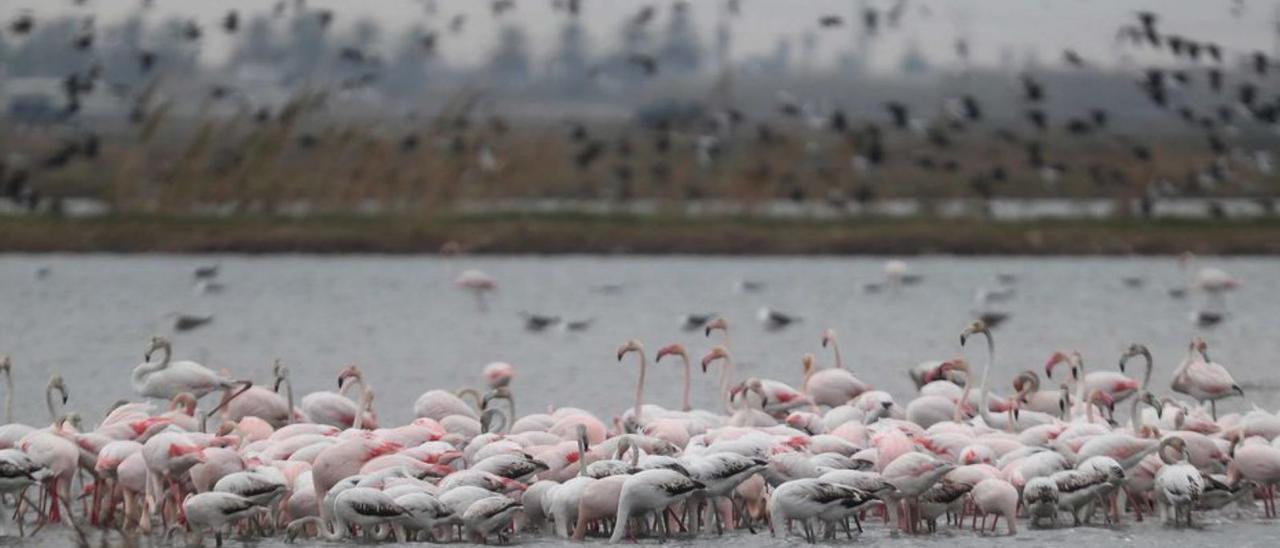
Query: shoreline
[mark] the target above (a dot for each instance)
(626, 234)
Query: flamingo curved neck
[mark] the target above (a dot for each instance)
(8, 400)
(365, 397)
(688, 372)
(835, 348)
(142, 372)
(957, 417)
(640, 387)
(48, 401)
(986, 374)
(1146, 377)
(583, 455)
(288, 397)
(1135, 421)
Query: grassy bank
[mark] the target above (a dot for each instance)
(624, 234)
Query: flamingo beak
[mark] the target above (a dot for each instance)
(1234, 388)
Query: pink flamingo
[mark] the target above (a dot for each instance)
(999, 497)
(1113, 383)
(1203, 379)
(498, 375)
(636, 419)
(1259, 463)
(478, 283)
(678, 350)
(345, 459)
(166, 379)
(54, 450)
(831, 387)
(335, 409)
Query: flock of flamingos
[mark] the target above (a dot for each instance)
(821, 461)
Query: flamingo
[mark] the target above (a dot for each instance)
(1178, 484)
(478, 283)
(599, 501)
(1113, 383)
(6, 366)
(999, 497)
(1203, 379)
(831, 387)
(335, 408)
(1260, 464)
(498, 375)
(678, 350)
(55, 451)
(650, 491)
(1040, 496)
(808, 499)
(214, 511)
(343, 460)
(636, 419)
(490, 515)
(166, 379)
(361, 506)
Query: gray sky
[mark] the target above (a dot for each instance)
(991, 26)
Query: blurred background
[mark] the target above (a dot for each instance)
(896, 109)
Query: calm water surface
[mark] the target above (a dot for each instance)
(402, 320)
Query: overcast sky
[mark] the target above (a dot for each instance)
(992, 27)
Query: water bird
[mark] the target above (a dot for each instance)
(188, 322)
(774, 320)
(206, 272)
(694, 322)
(538, 322)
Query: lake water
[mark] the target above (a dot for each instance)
(411, 330)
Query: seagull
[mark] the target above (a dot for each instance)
(537, 322)
(1207, 318)
(991, 318)
(578, 325)
(206, 272)
(1134, 281)
(187, 322)
(774, 320)
(694, 322)
(208, 287)
(749, 286)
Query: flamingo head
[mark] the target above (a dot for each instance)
(1134, 349)
(350, 372)
(807, 362)
(1198, 345)
(185, 401)
(940, 372)
(71, 419)
(718, 323)
(1027, 382)
(629, 346)
(676, 349)
(717, 353)
(157, 343)
(1055, 359)
(978, 326)
(498, 374)
(828, 337)
(57, 383)
(280, 372)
